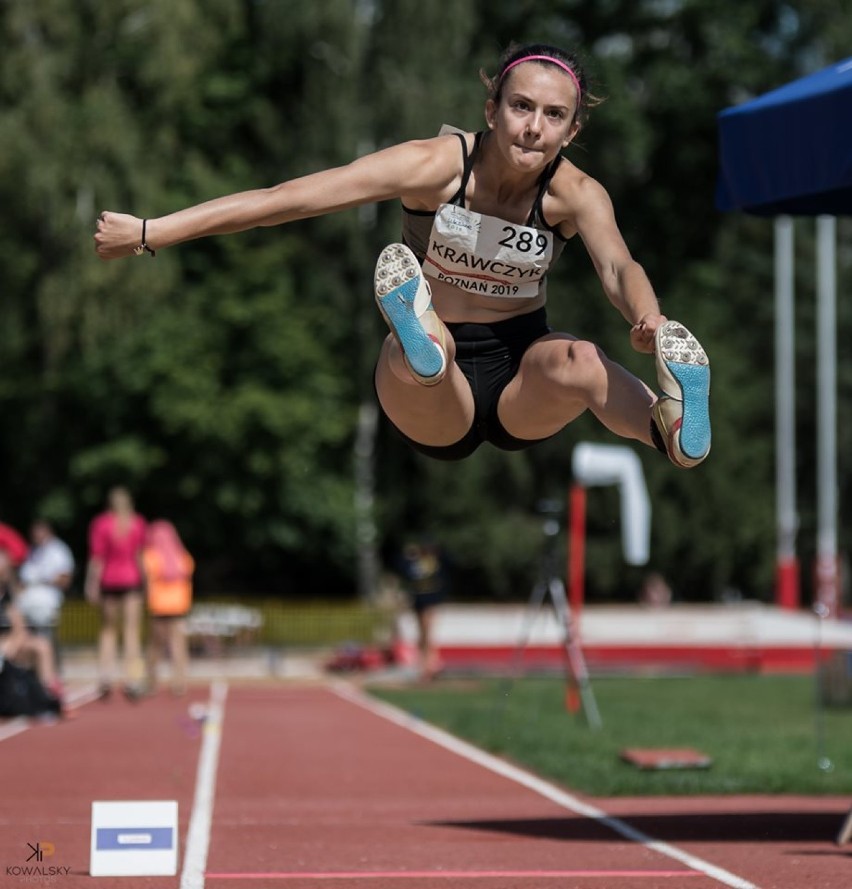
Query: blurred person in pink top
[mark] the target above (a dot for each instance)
(115, 582)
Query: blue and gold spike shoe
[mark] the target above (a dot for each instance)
(405, 301)
(682, 413)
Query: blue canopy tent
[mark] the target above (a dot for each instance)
(789, 153)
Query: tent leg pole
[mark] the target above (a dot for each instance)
(787, 571)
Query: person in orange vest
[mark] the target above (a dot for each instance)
(168, 574)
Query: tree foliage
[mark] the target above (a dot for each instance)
(222, 381)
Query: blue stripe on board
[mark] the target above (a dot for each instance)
(137, 839)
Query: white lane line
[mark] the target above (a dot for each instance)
(14, 727)
(198, 835)
(545, 789)
(85, 694)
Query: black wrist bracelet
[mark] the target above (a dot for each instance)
(143, 247)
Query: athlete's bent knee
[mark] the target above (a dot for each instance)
(585, 364)
(583, 354)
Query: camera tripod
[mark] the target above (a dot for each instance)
(549, 584)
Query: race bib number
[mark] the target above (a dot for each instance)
(483, 254)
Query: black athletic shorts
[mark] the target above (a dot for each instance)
(489, 356)
(119, 592)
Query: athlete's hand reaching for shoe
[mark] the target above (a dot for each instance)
(642, 332)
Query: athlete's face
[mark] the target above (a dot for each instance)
(535, 118)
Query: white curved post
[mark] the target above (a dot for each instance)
(600, 464)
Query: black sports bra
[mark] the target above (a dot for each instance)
(417, 224)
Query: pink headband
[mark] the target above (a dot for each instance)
(553, 61)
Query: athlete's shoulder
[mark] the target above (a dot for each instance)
(569, 183)
(571, 193)
(445, 148)
(437, 166)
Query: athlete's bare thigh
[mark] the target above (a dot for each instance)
(431, 415)
(559, 378)
(539, 402)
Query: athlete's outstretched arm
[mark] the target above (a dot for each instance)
(410, 168)
(623, 279)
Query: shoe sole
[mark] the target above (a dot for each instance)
(685, 376)
(402, 297)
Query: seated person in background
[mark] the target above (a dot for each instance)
(655, 591)
(45, 576)
(17, 643)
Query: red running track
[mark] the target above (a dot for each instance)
(319, 788)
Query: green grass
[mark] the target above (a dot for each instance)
(764, 733)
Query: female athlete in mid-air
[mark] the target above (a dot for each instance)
(485, 215)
